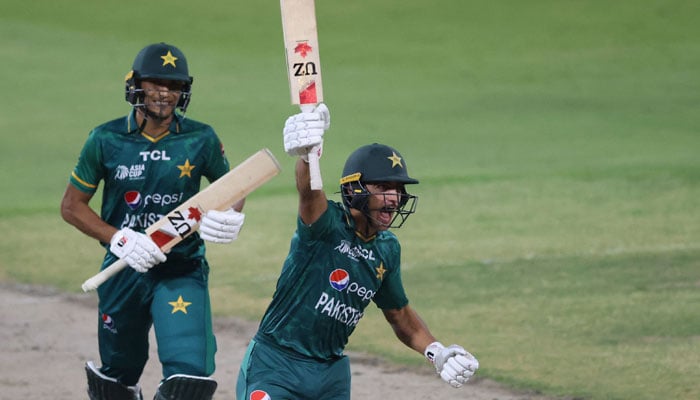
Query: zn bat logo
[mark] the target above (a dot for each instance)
(179, 222)
(304, 69)
(183, 224)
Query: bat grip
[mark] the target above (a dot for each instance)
(314, 165)
(315, 170)
(100, 278)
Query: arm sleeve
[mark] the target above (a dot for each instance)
(321, 228)
(391, 295)
(218, 163)
(88, 171)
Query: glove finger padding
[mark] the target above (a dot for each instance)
(221, 226)
(140, 260)
(454, 364)
(304, 131)
(451, 379)
(467, 362)
(303, 126)
(319, 114)
(300, 141)
(137, 249)
(325, 113)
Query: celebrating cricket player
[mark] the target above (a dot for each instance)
(342, 257)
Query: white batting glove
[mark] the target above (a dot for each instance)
(137, 249)
(454, 364)
(221, 226)
(303, 132)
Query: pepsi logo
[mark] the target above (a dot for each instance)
(108, 323)
(133, 199)
(339, 279)
(259, 395)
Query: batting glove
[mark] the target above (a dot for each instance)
(137, 249)
(454, 364)
(303, 132)
(221, 226)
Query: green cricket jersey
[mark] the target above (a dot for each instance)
(145, 178)
(328, 279)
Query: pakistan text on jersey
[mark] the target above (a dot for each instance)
(140, 220)
(345, 247)
(341, 312)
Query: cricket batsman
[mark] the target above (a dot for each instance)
(149, 162)
(342, 257)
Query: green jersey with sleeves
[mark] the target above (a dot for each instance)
(145, 178)
(328, 279)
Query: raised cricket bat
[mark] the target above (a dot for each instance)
(219, 195)
(303, 64)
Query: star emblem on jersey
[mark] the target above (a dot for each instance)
(179, 305)
(380, 271)
(169, 59)
(395, 160)
(186, 169)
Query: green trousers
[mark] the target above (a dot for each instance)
(272, 372)
(178, 308)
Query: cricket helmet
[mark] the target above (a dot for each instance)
(376, 163)
(158, 61)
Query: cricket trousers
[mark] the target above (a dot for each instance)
(280, 373)
(178, 307)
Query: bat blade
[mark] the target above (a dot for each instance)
(184, 220)
(302, 51)
(303, 64)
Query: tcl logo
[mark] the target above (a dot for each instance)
(155, 155)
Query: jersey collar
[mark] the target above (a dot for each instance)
(133, 127)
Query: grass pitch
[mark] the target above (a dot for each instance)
(556, 143)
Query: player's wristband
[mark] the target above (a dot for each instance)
(432, 350)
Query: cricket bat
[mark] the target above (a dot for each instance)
(184, 220)
(303, 64)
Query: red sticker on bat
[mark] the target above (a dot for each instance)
(161, 238)
(308, 95)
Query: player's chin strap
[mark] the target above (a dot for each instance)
(178, 117)
(186, 387)
(102, 387)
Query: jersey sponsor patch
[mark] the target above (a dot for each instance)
(259, 395)
(354, 252)
(133, 199)
(108, 323)
(133, 172)
(339, 279)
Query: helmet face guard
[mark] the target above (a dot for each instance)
(355, 195)
(158, 61)
(376, 163)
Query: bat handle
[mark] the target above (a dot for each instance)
(314, 165)
(100, 278)
(315, 170)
